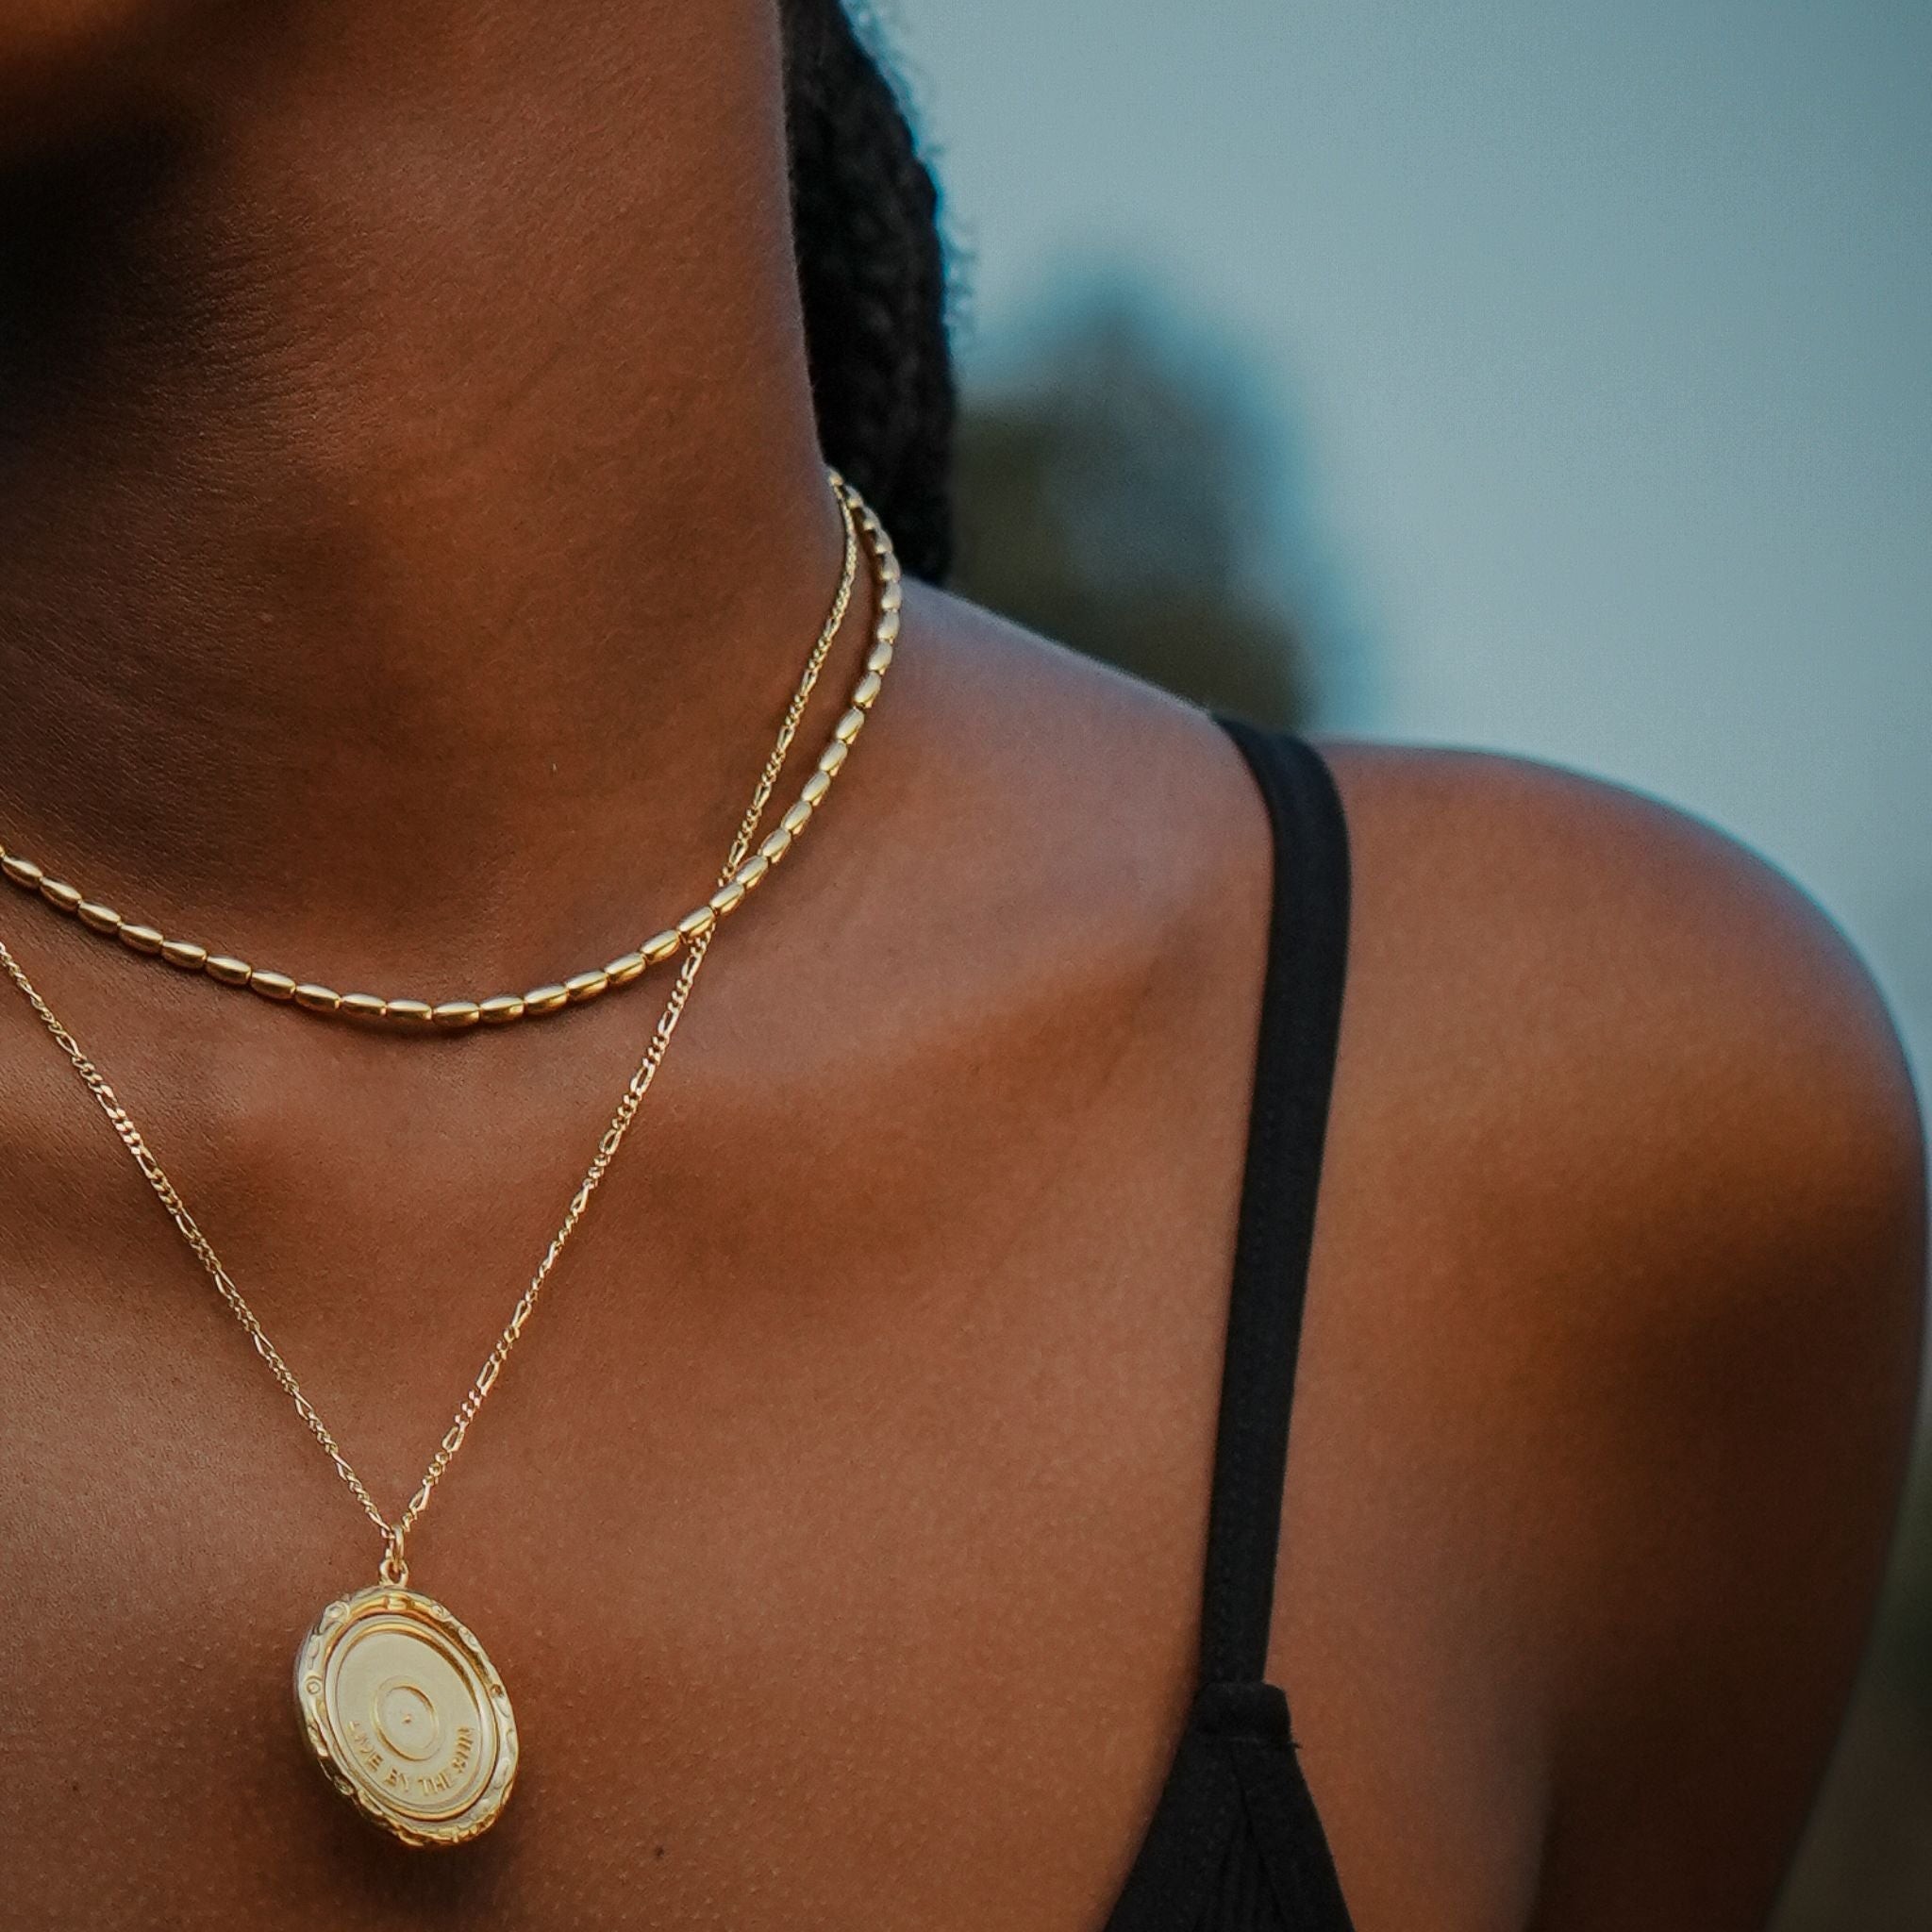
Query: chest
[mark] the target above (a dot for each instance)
(837, 1527)
(819, 1570)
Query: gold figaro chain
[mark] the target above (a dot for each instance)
(394, 1564)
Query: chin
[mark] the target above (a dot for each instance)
(64, 64)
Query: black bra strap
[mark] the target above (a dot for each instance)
(1295, 1072)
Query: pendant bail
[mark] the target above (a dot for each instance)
(395, 1565)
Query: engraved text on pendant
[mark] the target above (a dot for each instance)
(407, 1716)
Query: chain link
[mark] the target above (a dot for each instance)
(395, 1568)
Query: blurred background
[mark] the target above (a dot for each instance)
(1557, 380)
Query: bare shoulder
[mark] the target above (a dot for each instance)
(1637, 1117)
(1666, 991)
(1608, 1376)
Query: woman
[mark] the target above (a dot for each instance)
(413, 519)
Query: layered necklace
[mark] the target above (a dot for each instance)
(742, 877)
(396, 1700)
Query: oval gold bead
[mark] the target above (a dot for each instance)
(879, 659)
(228, 971)
(815, 788)
(727, 899)
(22, 872)
(140, 938)
(833, 759)
(363, 1006)
(622, 972)
(318, 999)
(411, 1012)
(660, 946)
(892, 600)
(850, 725)
(504, 1011)
(184, 954)
(887, 629)
(752, 871)
(586, 985)
(795, 820)
(458, 1016)
(865, 693)
(695, 924)
(270, 985)
(546, 999)
(777, 846)
(97, 918)
(59, 893)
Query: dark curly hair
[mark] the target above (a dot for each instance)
(871, 272)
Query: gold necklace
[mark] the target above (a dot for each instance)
(399, 1702)
(460, 1015)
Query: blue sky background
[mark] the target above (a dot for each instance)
(1602, 340)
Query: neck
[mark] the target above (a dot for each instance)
(411, 518)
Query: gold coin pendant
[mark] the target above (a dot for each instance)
(406, 1715)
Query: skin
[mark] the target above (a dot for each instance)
(410, 501)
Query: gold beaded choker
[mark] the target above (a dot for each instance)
(459, 1015)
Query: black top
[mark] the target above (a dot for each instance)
(1235, 1845)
